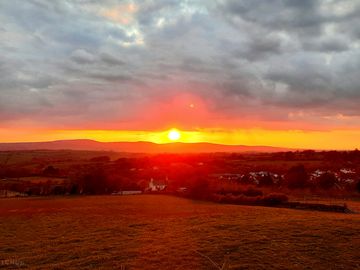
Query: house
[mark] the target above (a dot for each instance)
(347, 171)
(156, 185)
(182, 190)
(226, 176)
(127, 192)
(4, 193)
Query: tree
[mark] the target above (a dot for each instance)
(265, 180)
(327, 180)
(93, 181)
(297, 177)
(246, 179)
(74, 189)
(199, 188)
(50, 171)
(358, 186)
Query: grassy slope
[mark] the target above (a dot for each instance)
(161, 232)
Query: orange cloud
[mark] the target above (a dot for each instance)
(122, 14)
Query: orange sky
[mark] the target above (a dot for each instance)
(336, 139)
(198, 121)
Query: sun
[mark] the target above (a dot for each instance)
(174, 135)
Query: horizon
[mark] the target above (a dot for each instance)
(249, 138)
(187, 134)
(251, 149)
(218, 72)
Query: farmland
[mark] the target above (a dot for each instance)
(44, 172)
(165, 232)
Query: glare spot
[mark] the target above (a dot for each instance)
(174, 135)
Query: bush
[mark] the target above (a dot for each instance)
(275, 199)
(269, 200)
(240, 199)
(252, 192)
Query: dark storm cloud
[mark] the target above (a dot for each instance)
(239, 56)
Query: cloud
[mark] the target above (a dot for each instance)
(111, 60)
(103, 62)
(335, 44)
(81, 56)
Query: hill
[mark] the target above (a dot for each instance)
(136, 147)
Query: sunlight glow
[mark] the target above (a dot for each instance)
(174, 135)
(327, 139)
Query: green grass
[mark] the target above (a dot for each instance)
(163, 232)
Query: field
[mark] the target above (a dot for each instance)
(163, 232)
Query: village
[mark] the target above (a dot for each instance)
(175, 175)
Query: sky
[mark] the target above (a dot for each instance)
(253, 72)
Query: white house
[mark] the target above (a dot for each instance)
(156, 185)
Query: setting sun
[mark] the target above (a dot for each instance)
(174, 135)
(227, 131)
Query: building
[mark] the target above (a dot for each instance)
(155, 185)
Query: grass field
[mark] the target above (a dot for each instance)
(163, 232)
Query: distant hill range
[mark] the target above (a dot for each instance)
(136, 147)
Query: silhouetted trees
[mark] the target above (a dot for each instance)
(297, 177)
(266, 180)
(100, 159)
(327, 180)
(199, 188)
(195, 172)
(50, 171)
(92, 181)
(358, 186)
